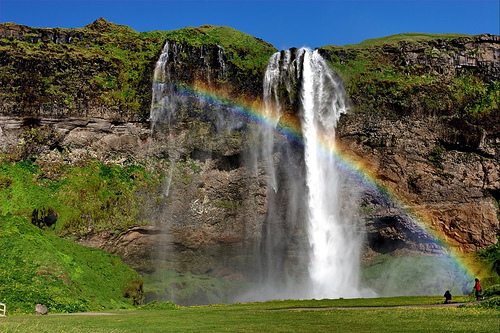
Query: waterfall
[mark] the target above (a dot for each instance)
(309, 84)
(164, 103)
(306, 243)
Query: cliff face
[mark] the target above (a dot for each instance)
(436, 147)
(453, 189)
(424, 120)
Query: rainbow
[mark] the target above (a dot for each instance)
(356, 167)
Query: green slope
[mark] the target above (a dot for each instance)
(89, 197)
(39, 267)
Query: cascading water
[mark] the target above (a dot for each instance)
(307, 246)
(264, 203)
(335, 242)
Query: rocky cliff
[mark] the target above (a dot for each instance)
(423, 120)
(431, 136)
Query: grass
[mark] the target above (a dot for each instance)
(91, 196)
(275, 316)
(410, 37)
(37, 267)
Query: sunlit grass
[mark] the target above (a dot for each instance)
(275, 316)
(411, 37)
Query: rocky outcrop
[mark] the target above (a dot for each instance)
(79, 138)
(479, 55)
(36, 35)
(41, 309)
(210, 67)
(452, 187)
(191, 249)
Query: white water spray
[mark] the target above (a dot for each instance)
(334, 240)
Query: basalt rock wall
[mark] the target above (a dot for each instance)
(451, 187)
(436, 153)
(440, 160)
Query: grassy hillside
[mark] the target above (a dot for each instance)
(104, 65)
(76, 199)
(411, 37)
(37, 267)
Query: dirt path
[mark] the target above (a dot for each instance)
(86, 314)
(451, 305)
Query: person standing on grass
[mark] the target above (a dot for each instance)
(478, 289)
(447, 296)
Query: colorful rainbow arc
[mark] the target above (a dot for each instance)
(355, 167)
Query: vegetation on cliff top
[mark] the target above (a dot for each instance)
(68, 71)
(248, 53)
(394, 40)
(380, 79)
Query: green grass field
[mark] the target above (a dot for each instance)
(397, 314)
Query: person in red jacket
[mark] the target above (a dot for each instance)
(478, 289)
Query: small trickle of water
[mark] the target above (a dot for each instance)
(162, 88)
(222, 63)
(1, 140)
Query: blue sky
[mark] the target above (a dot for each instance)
(283, 23)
